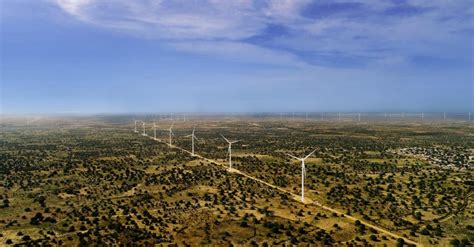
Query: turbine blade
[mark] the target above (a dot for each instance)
(309, 154)
(225, 139)
(294, 157)
(195, 138)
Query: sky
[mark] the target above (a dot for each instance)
(121, 56)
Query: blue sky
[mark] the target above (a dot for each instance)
(96, 56)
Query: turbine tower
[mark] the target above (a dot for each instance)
(229, 150)
(359, 117)
(193, 137)
(171, 134)
(144, 133)
(154, 130)
(135, 126)
(303, 171)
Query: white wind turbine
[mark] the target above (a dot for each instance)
(230, 150)
(171, 133)
(154, 130)
(135, 121)
(144, 133)
(303, 171)
(193, 137)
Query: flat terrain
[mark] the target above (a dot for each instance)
(93, 180)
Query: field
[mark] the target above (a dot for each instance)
(93, 180)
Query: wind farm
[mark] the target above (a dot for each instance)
(236, 123)
(241, 185)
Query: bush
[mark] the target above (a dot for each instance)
(455, 242)
(425, 232)
(400, 242)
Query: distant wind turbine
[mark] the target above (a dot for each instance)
(229, 150)
(144, 133)
(303, 171)
(171, 134)
(193, 137)
(154, 130)
(135, 121)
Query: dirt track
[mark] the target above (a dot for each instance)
(295, 196)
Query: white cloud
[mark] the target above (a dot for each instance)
(210, 26)
(240, 52)
(169, 20)
(75, 7)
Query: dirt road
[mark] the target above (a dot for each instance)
(295, 196)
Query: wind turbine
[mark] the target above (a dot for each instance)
(144, 133)
(229, 150)
(171, 133)
(303, 171)
(359, 117)
(135, 126)
(193, 137)
(154, 130)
